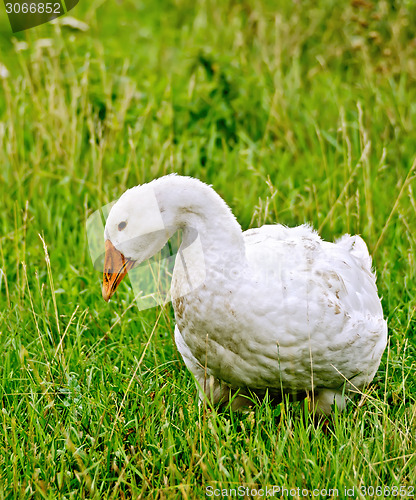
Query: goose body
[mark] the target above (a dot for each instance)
(271, 309)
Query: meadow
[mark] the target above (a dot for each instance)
(295, 111)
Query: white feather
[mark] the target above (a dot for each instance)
(270, 309)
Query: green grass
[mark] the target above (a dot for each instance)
(295, 112)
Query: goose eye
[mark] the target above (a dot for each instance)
(122, 225)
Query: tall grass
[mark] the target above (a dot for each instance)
(295, 112)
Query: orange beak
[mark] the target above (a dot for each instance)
(116, 266)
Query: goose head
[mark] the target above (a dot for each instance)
(146, 216)
(135, 230)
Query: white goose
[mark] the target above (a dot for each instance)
(272, 309)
